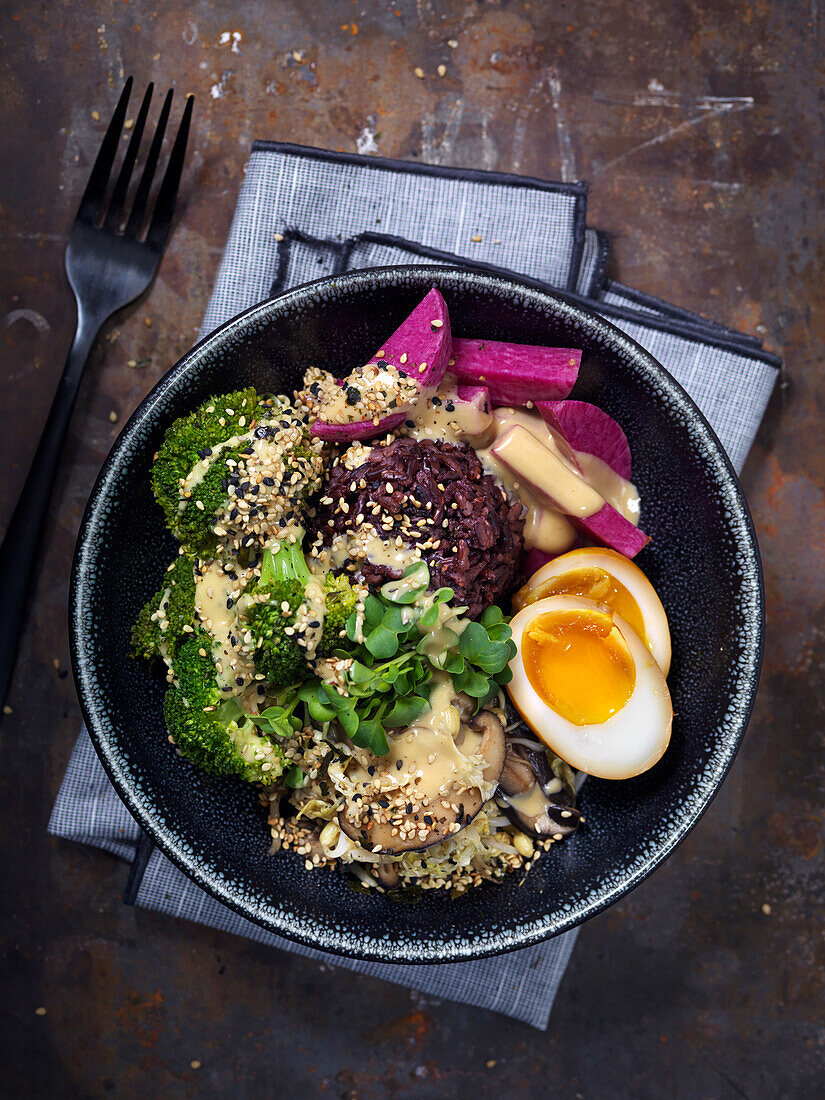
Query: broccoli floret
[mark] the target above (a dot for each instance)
(250, 477)
(284, 576)
(212, 423)
(341, 600)
(199, 515)
(211, 732)
(159, 626)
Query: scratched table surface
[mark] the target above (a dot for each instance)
(700, 128)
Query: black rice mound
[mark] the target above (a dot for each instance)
(470, 536)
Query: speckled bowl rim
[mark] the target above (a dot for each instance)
(338, 940)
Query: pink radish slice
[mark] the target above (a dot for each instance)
(590, 429)
(610, 528)
(357, 429)
(419, 349)
(516, 373)
(473, 394)
(478, 397)
(535, 464)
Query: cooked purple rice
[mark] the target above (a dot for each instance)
(471, 535)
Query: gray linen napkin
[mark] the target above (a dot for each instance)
(305, 213)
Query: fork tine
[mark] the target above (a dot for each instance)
(145, 185)
(115, 213)
(165, 205)
(91, 203)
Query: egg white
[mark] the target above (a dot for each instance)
(657, 631)
(626, 744)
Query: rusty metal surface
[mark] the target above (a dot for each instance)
(700, 126)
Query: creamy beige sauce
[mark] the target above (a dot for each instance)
(546, 527)
(312, 610)
(549, 475)
(535, 803)
(372, 380)
(464, 422)
(444, 632)
(622, 494)
(436, 752)
(213, 590)
(364, 543)
(404, 585)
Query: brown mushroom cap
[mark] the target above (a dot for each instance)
(411, 826)
(527, 787)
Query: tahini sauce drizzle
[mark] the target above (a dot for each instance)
(444, 416)
(213, 590)
(432, 760)
(545, 528)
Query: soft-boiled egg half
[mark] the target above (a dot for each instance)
(608, 578)
(589, 687)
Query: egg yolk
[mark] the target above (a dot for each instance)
(579, 664)
(593, 583)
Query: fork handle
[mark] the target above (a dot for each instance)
(20, 549)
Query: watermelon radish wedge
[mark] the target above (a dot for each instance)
(539, 469)
(516, 373)
(590, 429)
(377, 397)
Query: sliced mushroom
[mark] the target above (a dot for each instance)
(464, 705)
(399, 821)
(493, 744)
(536, 799)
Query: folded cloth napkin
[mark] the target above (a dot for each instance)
(305, 213)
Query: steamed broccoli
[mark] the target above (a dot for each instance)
(247, 478)
(210, 731)
(341, 600)
(284, 577)
(189, 438)
(159, 626)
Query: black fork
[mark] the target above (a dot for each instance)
(110, 261)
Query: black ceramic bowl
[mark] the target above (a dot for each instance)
(703, 561)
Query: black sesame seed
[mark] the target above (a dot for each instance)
(371, 770)
(449, 406)
(402, 374)
(353, 395)
(410, 423)
(409, 807)
(230, 603)
(239, 681)
(269, 481)
(436, 401)
(399, 764)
